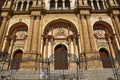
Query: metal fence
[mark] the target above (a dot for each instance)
(98, 74)
(77, 74)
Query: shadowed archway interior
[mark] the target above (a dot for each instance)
(17, 58)
(105, 58)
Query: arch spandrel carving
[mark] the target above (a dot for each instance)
(60, 29)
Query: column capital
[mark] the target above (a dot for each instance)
(4, 16)
(56, 0)
(16, 3)
(22, 2)
(108, 35)
(38, 16)
(82, 15)
(32, 16)
(115, 14)
(28, 1)
(87, 15)
(91, 0)
(12, 36)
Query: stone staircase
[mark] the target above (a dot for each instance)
(96, 74)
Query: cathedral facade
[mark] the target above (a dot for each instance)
(64, 37)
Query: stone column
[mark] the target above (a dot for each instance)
(69, 43)
(40, 43)
(91, 36)
(2, 28)
(98, 4)
(56, 4)
(3, 4)
(81, 40)
(85, 3)
(71, 4)
(92, 4)
(116, 28)
(46, 49)
(116, 2)
(4, 47)
(111, 3)
(34, 3)
(112, 53)
(74, 42)
(22, 6)
(85, 34)
(103, 2)
(52, 46)
(27, 5)
(8, 4)
(111, 47)
(13, 37)
(80, 2)
(16, 6)
(49, 48)
(63, 4)
(40, 3)
(35, 35)
(30, 33)
(72, 47)
(4, 32)
(117, 22)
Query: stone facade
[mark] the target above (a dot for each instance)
(60, 34)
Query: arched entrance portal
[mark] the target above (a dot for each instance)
(61, 59)
(105, 58)
(17, 57)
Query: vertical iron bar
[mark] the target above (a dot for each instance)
(63, 60)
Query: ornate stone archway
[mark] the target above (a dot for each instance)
(104, 38)
(60, 32)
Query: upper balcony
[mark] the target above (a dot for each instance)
(23, 6)
(59, 4)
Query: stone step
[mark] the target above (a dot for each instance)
(96, 74)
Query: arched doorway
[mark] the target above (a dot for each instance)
(60, 32)
(61, 59)
(105, 37)
(106, 61)
(17, 58)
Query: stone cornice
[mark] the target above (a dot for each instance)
(59, 11)
(36, 8)
(114, 7)
(21, 12)
(84, 8)
(5, 9)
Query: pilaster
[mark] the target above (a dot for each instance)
(85, 34)
(46, 49)
(92, 4)
(91, 36)
(2, 28)
(27, 5)
(22, 6)
(111, 3)
(35, 34)
(98, 4)
(116, 26)
(30, 33)
(40, 38)
(81, 40)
